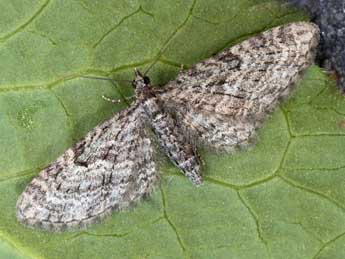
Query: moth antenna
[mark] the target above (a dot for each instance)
(161, 51)
(115, 84)
(149, 68)
(107, 79)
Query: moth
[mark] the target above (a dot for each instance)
(218, 103)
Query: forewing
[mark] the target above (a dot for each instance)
(242, 84)
(111, 168)
(253, 74)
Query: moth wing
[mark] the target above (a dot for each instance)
(109, 169)
(232, 92)
(248, 79)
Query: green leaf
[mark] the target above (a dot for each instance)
(283, 198)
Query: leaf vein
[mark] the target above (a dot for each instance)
(25, 24)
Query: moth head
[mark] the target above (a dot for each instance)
(140, 81)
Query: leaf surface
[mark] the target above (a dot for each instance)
(283, 198)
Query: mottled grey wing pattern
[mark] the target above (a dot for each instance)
(220, 101)
(216, 121)
(109, 169)
(237, 88)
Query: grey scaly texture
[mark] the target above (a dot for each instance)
(218, 103)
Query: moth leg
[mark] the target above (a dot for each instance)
(181, 68)
(111, 100)
(117, 100)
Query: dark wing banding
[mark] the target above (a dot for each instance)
(223, 99)
(109, 169)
